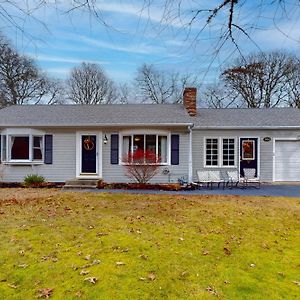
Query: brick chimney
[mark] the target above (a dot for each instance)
(189, 100)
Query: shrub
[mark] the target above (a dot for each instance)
(141, 165)
(34, 180)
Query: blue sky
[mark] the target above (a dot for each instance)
(136, 34)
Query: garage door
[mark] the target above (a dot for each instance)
(287, 161)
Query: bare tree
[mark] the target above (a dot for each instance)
(157, 86)
(88, 84)
(293, 83)
(124, 93)
(194, 17)
(264, 79)
(220, 96)
(21, 82)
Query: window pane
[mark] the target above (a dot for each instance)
(212, 152)
(126, 145)
(138, 142)
(151, 143)
(162, 148)
(3, 150)
(20, 147)
(37, 141)
(228, 152)
(37, 148)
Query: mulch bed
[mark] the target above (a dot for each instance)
(140, 186)
(39, 185)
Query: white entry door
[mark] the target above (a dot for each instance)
(287, 161)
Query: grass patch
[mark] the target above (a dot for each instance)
(147, 246)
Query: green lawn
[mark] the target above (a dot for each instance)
(147, 247)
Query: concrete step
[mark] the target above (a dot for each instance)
(81, 184)
(76, 186)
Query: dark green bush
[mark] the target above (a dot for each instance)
(32, 180)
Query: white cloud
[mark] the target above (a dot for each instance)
(58, 72)
(139, 49)
(51, 58)
(151, 13)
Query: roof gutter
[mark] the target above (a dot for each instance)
(101, 125)
(246, 127)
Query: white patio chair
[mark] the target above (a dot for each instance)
(203, 178)
(215, 177)
(250, 178)
(233, 178)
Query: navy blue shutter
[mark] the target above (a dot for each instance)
(114, 149)
(175, 149)
(48, 159)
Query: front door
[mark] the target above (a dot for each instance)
(248, 154)
(89, 154)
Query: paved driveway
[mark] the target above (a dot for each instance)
(265, 190)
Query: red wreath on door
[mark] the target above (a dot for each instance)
(88, 144)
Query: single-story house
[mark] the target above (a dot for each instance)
(62, 142)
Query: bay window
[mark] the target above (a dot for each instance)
(220, 152)
(154, 144)
(21, 148)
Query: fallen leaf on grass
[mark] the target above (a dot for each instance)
(142, 279)
(96, 262)
(120, 263)
(11, 285)
(92, 280)
(45, 293)
(185, 274)
(252, 265)
(88, 257)
(78, 294)
(226, 281)
(205, 252)
(212, 290)
(143, 256)
(84, 272)
(296, 282)
(151, 276)
(227, 251)
(23, 266)
(101, 234)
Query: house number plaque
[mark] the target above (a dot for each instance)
(267, 139)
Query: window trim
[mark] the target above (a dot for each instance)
(220, 152)
(146, 132)
(9, 133)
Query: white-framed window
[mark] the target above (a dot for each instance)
(22, 148)
(228, 155)
(212, 152)
(156, 144)
(220, 152)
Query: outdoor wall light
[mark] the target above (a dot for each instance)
(105, 140)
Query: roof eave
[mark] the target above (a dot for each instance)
(102, 125)
(246, 127)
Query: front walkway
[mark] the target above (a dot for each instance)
(265, 190)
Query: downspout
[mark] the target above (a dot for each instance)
(190, 164)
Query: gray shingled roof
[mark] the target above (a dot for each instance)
(93, 115)
(147, 115)
(245, 117)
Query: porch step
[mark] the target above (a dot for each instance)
(81, 184)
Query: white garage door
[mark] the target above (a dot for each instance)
(287, 161)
